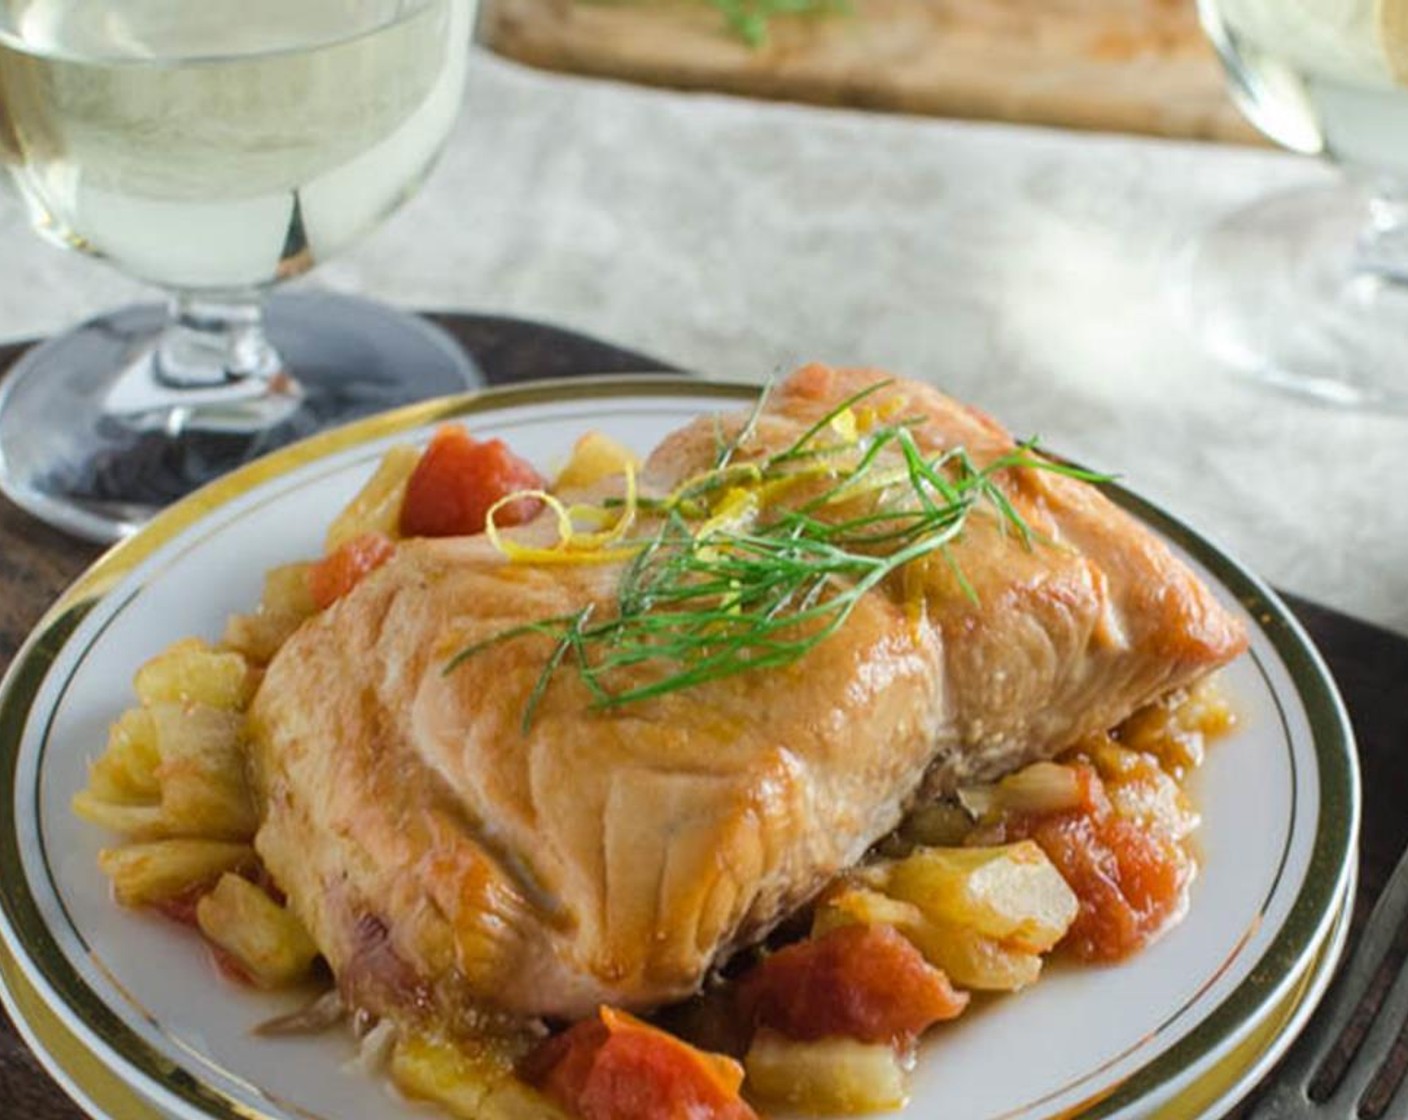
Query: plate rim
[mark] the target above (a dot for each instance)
(1311, 917)
(1340, 803)
(103, 1094)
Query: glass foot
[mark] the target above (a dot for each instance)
(1304, 291)
(88, 445)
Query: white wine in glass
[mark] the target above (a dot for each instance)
(1309, 290)
(214, 148)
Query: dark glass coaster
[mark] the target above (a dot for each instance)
(67, 461)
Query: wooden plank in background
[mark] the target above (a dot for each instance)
(1123, 65)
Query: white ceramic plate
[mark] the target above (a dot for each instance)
(1279, 799)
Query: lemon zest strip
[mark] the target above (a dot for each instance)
(572, 546)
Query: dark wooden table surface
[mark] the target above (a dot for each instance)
(1370, 665)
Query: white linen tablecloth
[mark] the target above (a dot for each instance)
(1029, 271)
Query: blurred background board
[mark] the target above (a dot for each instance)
(1122, 65)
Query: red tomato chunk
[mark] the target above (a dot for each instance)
(181, 908)
(1131, 882)
(865, 982)
(339, 572)
(615, 1067)
(458, 480)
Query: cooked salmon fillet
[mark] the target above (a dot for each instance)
(449, 859)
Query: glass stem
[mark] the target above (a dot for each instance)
(214, 340)
(211, 369)
(1382, 249)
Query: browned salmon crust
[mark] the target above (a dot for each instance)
(442, 856)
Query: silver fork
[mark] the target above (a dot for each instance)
(1340, 1067)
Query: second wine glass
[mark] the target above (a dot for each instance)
(1308, 290)
(214, 149)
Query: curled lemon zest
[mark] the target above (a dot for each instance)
(681, 496)
(871, 416)
(872, 483)
(591, 515)
(571, 546)
(736, 511)
(844, 425)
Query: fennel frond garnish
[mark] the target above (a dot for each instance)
(752, 563)
(748, 19)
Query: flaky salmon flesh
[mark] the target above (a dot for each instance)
(449, 854)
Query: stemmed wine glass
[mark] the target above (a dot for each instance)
(214, 148)
(1309, 290)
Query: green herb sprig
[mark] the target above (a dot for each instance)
(704, 600)
(748, 19)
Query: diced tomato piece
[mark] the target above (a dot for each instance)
(181, 908)
(866, 982)
(458, 480)
(615, 1067)
(338, 573)
(1131, 882)
(229, 966)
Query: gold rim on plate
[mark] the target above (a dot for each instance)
(34, 969)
